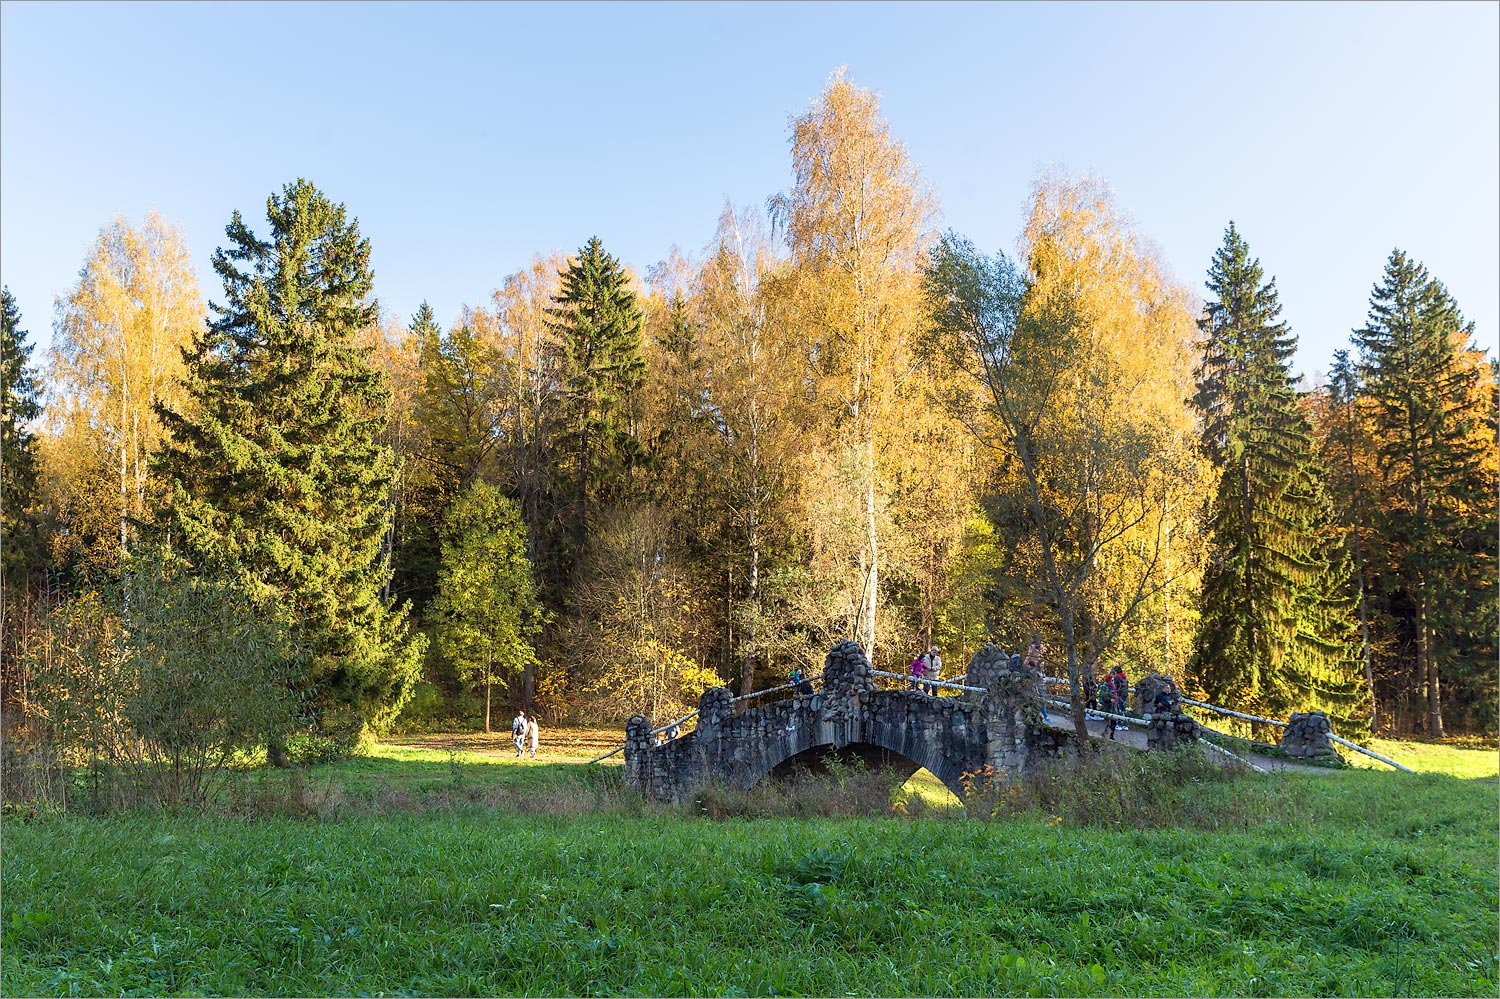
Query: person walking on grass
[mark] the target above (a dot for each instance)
(518, 732)
(533, 733)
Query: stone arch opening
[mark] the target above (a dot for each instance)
(871, 753)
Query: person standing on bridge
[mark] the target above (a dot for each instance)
(918, 666)
(1107, 704)
(1122, 690)
(1034, 660)
(1167, 699)
(932, 669)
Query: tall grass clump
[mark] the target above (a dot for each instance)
(835, 789)
(1106, 787)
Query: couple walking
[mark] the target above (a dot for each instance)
(524, 732)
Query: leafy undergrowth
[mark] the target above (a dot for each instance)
(550, 882)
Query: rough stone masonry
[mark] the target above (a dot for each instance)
(1001, 728)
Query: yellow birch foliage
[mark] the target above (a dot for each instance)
(857, 221)
(1111, 385)
(117, 353)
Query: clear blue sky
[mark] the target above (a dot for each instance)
(466, 137)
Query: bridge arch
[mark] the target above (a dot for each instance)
(873, 750)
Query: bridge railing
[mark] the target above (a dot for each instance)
(944, 684)
(1132, 720)
(1231, 713)
(738, 699)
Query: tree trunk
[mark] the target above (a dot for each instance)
(487, 685)
(276, 752)
(752, 598)
(1364, 632)
(1429, 667)
(872, 581)
(1075, 685)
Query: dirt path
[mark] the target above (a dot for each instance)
(565, 744)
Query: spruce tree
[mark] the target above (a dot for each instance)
(598, 322)
(485, 615)
(18, 407)
(278, 472)
(1434, 435)
(1277, 630)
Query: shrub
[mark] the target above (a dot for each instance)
(155, 693)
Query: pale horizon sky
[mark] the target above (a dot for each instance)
(467, 137)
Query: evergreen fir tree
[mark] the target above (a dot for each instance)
(428, 493)
(18, 407)
(599, 323)
(1277, 630)
(1434, 435)
(277, 469)
(485, 615)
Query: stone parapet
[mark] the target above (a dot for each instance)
(1306, 737)
(1169, 730)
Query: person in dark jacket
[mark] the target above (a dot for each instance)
(1106, 694)
(1122, 690)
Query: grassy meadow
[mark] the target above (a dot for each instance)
(425, 870)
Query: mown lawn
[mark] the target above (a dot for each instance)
(1357, 883)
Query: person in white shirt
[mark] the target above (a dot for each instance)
(518, 732)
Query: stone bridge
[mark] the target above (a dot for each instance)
(1002, 728)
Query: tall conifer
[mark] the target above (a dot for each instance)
(1435, 437)
(18, 407)
(1277, 630)
(598, 321)
(277, 468)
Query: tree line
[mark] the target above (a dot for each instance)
(600, 492)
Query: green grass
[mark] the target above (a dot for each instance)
(1356, 883)
(1430, 757)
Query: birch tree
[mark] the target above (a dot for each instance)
(117, 354)
(1077, 368)
(857, 220)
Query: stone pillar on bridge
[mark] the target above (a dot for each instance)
(712, 736)
(847, 689)
(1012, 711)
(1171, 729)
(638, 752)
